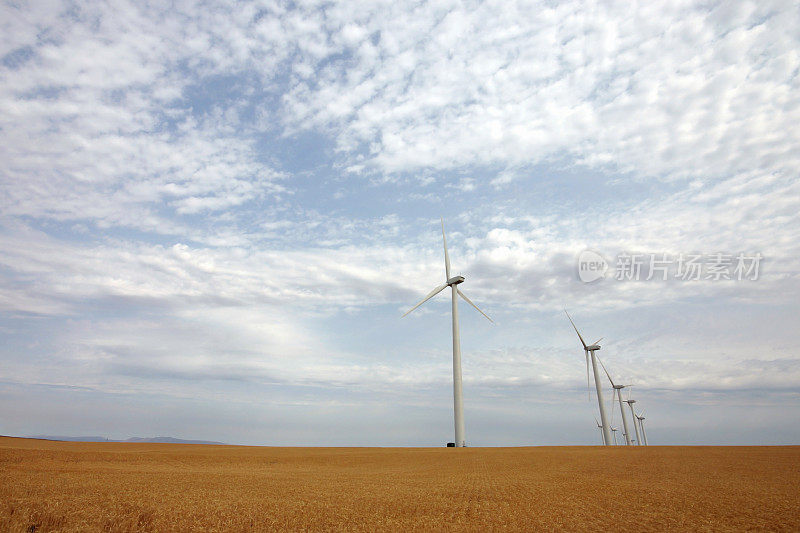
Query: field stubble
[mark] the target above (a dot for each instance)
(49, 486)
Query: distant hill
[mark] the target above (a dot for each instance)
(171, 440)
(95, 438)
(70, 439)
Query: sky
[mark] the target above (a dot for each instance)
(213, 215)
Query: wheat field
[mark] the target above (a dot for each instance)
(68, 486)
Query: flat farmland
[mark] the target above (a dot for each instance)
(67, 486)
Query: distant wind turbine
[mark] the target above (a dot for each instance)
(633, 416)
(618, 394)
(600, 427)
(453, 282)
(614, 431)
(640, 418)
(590, 349)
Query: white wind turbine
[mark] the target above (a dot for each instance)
(640, 418)
(458, 400)
(600, 427)
(614, 430)
(590, 349)
(617, 393)
(633, 416)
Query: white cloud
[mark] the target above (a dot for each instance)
(664, 90)
(96, 122)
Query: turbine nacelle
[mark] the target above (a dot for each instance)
(593, 347)
(455, 280)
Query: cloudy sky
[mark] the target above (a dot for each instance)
(212, 217)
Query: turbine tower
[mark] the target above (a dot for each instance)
(640, 418)
(618, 394)
(590, 349)
(633, 415)
(453, 282)
(614, 430)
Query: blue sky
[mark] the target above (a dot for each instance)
(213, 216)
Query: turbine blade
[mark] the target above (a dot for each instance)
(604, 367)
(473, 305)
(446, 256)
(576, 329)
(598, 340)
(430, 295)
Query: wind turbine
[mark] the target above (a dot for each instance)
(453, 282)
(614, 430)
(600, 427)
(640, 418)
(633, 416)
(618, 393)
(590, 349)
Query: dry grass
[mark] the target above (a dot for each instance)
(59, 486)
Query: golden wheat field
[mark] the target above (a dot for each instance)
(66, 486)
